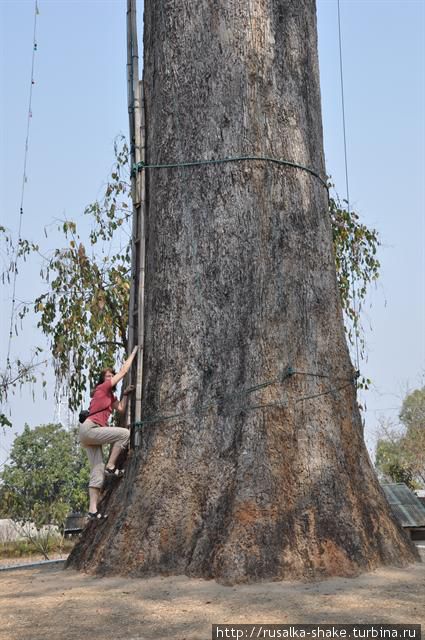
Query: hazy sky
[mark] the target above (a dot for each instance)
(79, 106)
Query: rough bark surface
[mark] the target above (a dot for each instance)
(241, 285)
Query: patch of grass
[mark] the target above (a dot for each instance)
(21, 548)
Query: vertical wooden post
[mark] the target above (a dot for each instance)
(141, 262)
(136, 126)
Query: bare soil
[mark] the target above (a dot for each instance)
(48, 602)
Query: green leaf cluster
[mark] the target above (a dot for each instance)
(84, 312)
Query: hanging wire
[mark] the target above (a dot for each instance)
(341, 72)
(24, 180)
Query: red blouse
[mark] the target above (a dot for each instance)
(102, 401)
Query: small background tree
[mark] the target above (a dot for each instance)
(46, 479)
(400, 451)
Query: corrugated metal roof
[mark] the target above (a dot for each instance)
(406, 506)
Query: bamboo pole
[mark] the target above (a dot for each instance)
(136, 305)
(133, 186)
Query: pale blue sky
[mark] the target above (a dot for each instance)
(80, 105)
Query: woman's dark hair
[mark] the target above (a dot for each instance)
(103, 374)
(101, 379)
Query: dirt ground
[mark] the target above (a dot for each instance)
(48, 602)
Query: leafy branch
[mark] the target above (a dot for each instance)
(357, 267)
(84, 310)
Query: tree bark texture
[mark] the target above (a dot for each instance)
(263, 473)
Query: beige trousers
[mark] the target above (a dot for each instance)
(92, 437)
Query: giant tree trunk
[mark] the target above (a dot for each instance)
(251, 481)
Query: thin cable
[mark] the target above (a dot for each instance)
(24, 180)
(341, 72)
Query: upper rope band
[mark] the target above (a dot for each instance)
(140, 166)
